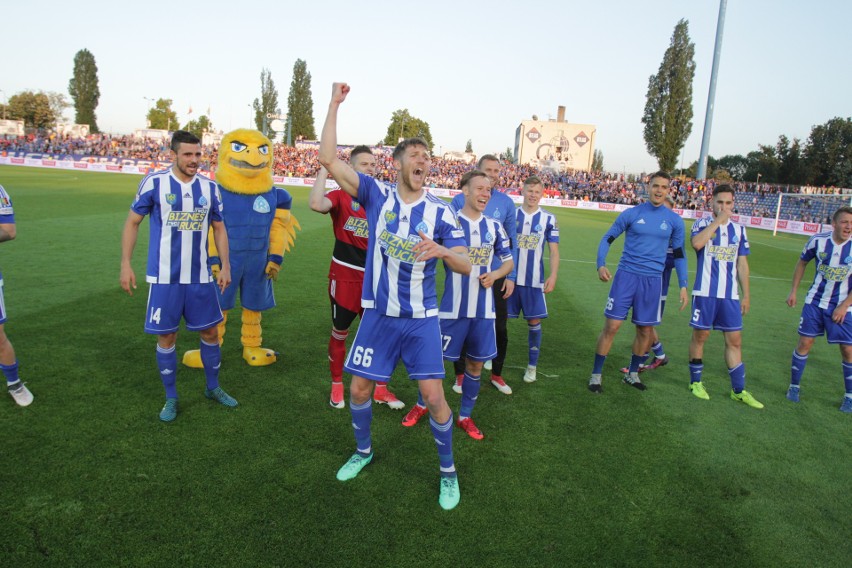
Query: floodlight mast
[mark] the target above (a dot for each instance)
(711, 97)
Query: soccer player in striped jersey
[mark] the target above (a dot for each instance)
(828, 302)
(722, 249)
(468, 306)
(502, 209)
(410, 230)
(648, 228)
(346, 273)
(8, 361)
(535, 227)
(182, 205)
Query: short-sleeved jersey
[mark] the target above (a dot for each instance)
(649, 232)
(7, 214)
(349, 220)
(533, 230)
(464, 296)
(180, 218)
(716, 270)
(395, 283)
(833, 270)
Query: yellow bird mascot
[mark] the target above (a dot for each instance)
(260, 229)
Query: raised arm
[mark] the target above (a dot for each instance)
(317, 199)
(342, 172)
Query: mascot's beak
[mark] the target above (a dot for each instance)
(242, 164)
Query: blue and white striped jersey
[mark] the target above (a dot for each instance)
(533, 231)
(501, 208)
(716, 272)
(7, 214)
(395, 283)
(833, 269)
(180, 220)
(464, 296)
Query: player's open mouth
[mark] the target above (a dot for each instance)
(418, 172)
(246, 165)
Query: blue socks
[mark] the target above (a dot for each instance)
(696, 367)
(534, 342)
(797, 367)
(211, 358)
(470, 391)
(847, 378)
(737, 378)
(443, 434)
(167, 363)
(599, 363)
(635, 361)
(11, 372)
(362, 418)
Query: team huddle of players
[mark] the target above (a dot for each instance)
(388, 241)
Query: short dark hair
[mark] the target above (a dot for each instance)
(487, 158)
(840, 211)
(359, 150)
(183, 137)
(660, 174)
(724, 188)
(406, 144)
(532, 180)
(469, 176)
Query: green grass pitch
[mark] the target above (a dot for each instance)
(91, 477)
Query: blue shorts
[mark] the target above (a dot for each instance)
(716, 313)
(2, 303)
(198, 304)
(642, 293)
(248, 277)
(528, 300)
(815, 322)
(475, 337)
(382, 341)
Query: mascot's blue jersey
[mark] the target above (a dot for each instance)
(249, 217)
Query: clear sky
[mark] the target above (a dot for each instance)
(471, 69)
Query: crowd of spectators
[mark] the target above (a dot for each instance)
(301, 161)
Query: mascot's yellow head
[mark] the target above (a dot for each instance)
(245, 162)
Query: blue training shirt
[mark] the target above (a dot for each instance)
(649, 230)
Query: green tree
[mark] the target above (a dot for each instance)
(58, 104)
(83, 88)
(300, 103)
(668, 105)
(199, 126)
(267, 103)
(508, 155)
(597, 161)
(162, 116)
(33, 108)
(469, 147)
(828, 155)
(791, 167)
(403, 125)
(764, 162)
(734, 164)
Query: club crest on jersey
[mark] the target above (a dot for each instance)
(537, 228)
(356, 206)
(734, 240)
(823, 255)
(664, 226)
(422, 226)
(390, 217)
(496, 214)
(489, 237)
(202, 201)
(848, 260)
(261, 205)
(171, 198)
